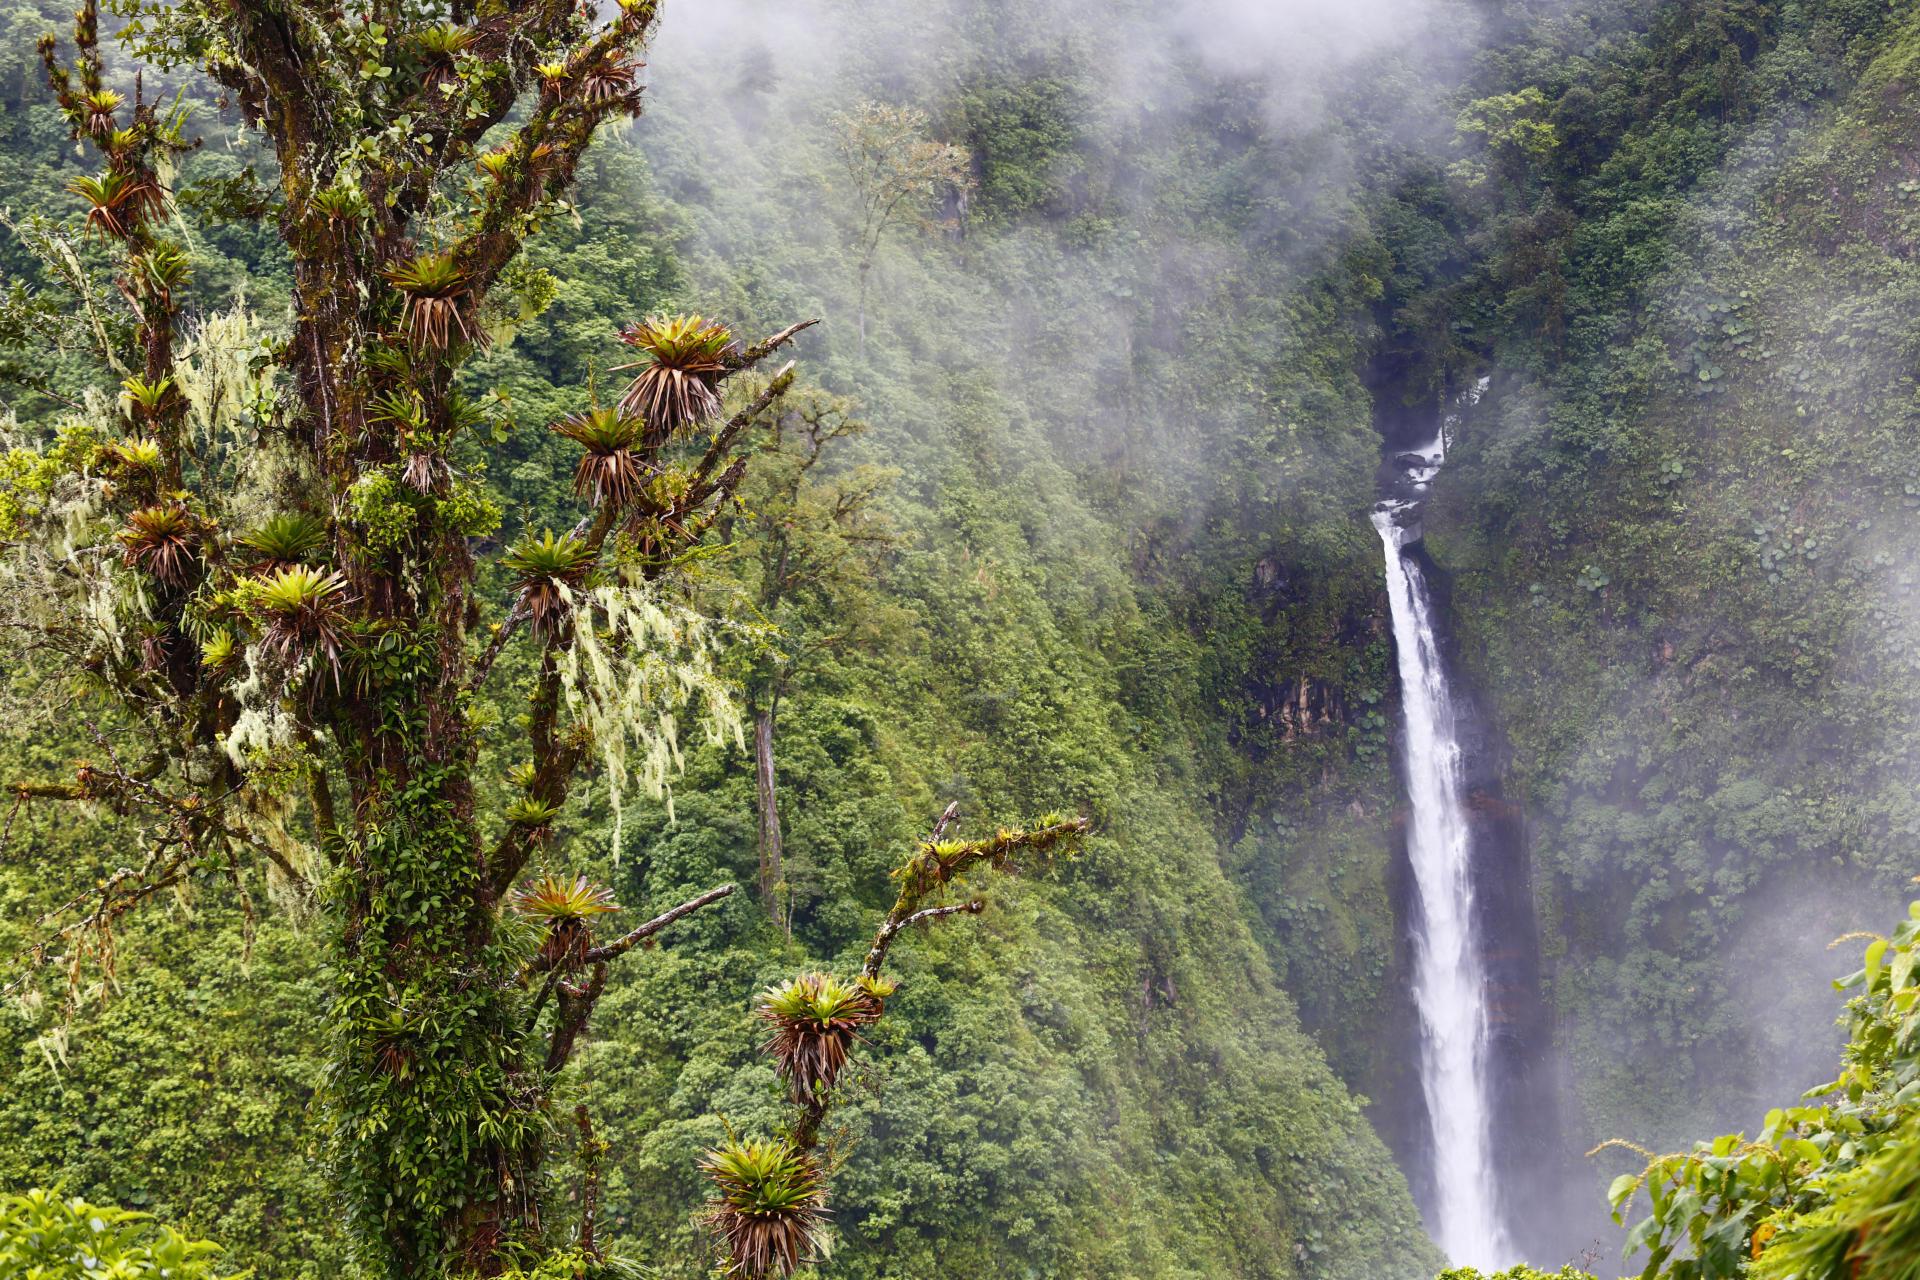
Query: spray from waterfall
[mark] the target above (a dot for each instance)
(1450, 986)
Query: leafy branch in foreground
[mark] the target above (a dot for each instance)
(42, 1234)
(1830, 1190)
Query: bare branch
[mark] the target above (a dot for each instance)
(620, 946)
(516, 618)
(759, 351)
(698, 488)
(974, 908)
(877, 956)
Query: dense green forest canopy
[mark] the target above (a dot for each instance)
(1066, 509)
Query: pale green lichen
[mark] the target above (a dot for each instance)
(638, 662)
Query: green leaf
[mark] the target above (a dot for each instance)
(1901, 973)
(1876, 950)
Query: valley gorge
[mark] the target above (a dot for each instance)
(1429, 482)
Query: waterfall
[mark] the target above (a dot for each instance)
(1449, 978)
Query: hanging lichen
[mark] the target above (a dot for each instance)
(638, 663)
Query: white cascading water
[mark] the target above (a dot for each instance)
(1449, 981)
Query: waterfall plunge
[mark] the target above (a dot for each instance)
(1449, 980)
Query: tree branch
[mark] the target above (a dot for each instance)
(50, 791)
(555, 757)
(620, 946)
(516, 618)
(937, 863)
(698, 488)
(759, 351)
(974, 907)
(564, 125)
(877, 955)
(576, 1006)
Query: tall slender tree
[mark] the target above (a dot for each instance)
(814, 540)
(262, 557)
(895, 172)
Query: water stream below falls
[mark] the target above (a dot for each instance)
(1450, 978)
